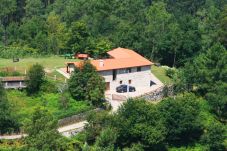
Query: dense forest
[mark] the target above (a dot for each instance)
(167, 31)
(189, 35)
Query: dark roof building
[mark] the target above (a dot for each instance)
(17, 82)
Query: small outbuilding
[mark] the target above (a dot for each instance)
(16, 82)
(82, 56)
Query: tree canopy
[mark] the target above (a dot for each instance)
(35, 78)
(8, 123)
(167, 31)
(86, 84)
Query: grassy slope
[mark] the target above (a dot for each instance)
(159, 72)
(23, 106)
(48, 62)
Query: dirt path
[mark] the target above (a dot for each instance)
(67, 131)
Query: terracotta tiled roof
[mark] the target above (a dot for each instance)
(81, 55)
(16, 78)
(120, 58)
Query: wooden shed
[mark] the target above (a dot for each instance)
(16, 82)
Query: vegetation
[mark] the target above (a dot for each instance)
(206, 76)
(7, 122)
(173, 123)
(49, 62)
(189, 35)
(86, 84)
(166, 31)
(23, 106)
(35, 79)
(160, 73)
(42, 126)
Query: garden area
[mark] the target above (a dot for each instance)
(160, 73)
(23, 106)
(50, 64)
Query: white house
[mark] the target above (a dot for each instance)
(123, 66)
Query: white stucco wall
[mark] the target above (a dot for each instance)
(138, 79)
(71, 68)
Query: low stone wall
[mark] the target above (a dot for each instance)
(75, 118)
(158, 94)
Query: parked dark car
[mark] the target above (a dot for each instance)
(124, 88)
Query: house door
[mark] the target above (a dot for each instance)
(107, 85)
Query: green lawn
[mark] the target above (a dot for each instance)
(23, 106)
(160, 73)
(48, 62)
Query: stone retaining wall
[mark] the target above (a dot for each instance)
(158, 94)
(75, 118)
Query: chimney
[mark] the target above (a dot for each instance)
(101, 63)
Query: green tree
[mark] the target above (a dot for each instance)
(95, 90)
(208, 24)
(101, 46)
(180, 8)
(205, 75)
(7, 121)
(106, 139)
(134, 147)
(222, 27)
(35, 78)
(57, 33)
(86, 84)
(214, 137)
(42, 132)
(76, 85)
(64, 100)
(7, 8)
(33, 33)
(138, 121)
(158, 20)
(97, 121)
(217, 99)
(181, 117)
(79, 37)
(34, 8)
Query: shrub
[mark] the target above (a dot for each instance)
(35, 79)
(5, 73)
(10, 52)
(86, 84)
(48, 87)
(170, 72)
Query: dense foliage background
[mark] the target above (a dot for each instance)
(188, 34)
(169, 31)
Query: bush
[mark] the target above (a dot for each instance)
(5, 74)
(86, 84)
(49, 87)
(181, 116)
(214, 137)
(10, 52)
(170, 72)
(35, 79)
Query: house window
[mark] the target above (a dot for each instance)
(120, 82)
(129, 70)
(107, 85)
(129, 81)
(114, 75)
(138, 69)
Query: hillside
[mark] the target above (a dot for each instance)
(183, 43)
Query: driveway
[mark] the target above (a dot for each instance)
(63, 72)
(117, 99)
